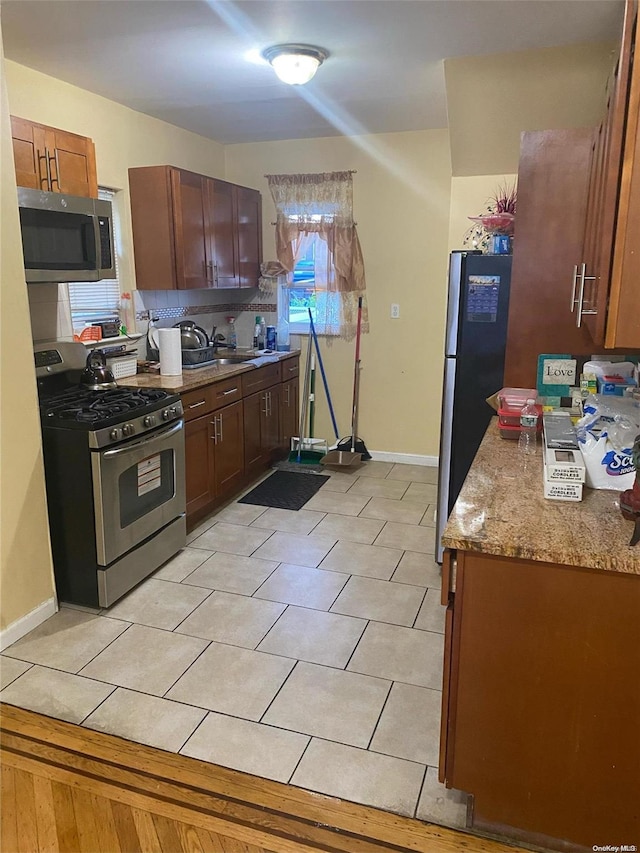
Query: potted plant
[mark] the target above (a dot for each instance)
(498, 220)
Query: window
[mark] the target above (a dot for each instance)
(302, 295)
(317, 247)
(92, 301)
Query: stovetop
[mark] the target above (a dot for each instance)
(81, 408)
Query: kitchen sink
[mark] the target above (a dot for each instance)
(233, 359)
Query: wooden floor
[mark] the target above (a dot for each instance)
(65, 788)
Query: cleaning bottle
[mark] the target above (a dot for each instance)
(256, 334)
(232, 337)
(263, 334)
(282, 335)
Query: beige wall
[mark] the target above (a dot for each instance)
(469, 197)
(492, 99)
(123, 139)
(401, 204)
(26, 578)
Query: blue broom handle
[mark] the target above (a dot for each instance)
(324, 376)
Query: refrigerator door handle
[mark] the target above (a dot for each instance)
(444, 471)
(453, 303)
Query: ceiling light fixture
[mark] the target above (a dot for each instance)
(295, 63)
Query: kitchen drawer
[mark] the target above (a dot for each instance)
(196, 403)
(225, 392)
(260, 378)
(289, 368)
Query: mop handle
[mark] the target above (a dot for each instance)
(323, 374)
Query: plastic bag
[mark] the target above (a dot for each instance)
(606, 434)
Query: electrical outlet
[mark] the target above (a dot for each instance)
(395, 311)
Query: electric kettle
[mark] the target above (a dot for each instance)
(96, 375)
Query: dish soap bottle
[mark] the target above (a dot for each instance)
(256, 334)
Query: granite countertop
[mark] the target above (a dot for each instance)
(501, 510)
(192, 379)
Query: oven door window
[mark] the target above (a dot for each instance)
(57, 241)
(138, 488)
(144, 486)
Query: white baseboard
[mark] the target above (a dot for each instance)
(405, 458)
(14, 632)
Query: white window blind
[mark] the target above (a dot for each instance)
(91, 301)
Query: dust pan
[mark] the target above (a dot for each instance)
(342, 459)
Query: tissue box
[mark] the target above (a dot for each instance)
(614, 385)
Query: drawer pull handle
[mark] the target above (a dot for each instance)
(230, 391)
(195, 405)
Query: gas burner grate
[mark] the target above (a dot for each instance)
(85, 406)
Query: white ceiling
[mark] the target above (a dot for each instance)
(183, 61)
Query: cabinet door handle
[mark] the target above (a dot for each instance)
(574, 301)
(217, 436)
(195, 405)
(265, 411)
(581, 310)
(287, 399)
(215, 275)
(54, 159)
(47, 176)
(230, 391)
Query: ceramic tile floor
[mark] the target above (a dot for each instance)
(304, 647)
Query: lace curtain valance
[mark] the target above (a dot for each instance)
(318, 208)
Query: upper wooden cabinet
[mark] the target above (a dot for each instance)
(191, 231)
(606, 297)
(553, 175)
(53, 160)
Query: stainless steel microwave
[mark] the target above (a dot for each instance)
(65, 237)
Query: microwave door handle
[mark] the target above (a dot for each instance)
(160, 436)
(98, 244)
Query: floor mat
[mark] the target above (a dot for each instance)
(285, 490)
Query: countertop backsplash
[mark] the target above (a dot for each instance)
(206, 308)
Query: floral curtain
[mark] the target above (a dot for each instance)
(317, 209)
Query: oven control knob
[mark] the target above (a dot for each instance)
(166, 414)
(128, 429)
(148, 421)
(114, 435)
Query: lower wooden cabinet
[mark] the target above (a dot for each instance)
(214, 453)
(199, 461)
(289, 408)
(262, 428)
(540, 701)
(234, 429)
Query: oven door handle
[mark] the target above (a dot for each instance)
(159, 436)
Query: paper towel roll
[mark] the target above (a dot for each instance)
(170, 352)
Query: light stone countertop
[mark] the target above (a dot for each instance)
(501, 510)
(192, 379)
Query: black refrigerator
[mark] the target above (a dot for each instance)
(476, 336)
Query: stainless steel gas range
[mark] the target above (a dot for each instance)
(114, 470)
